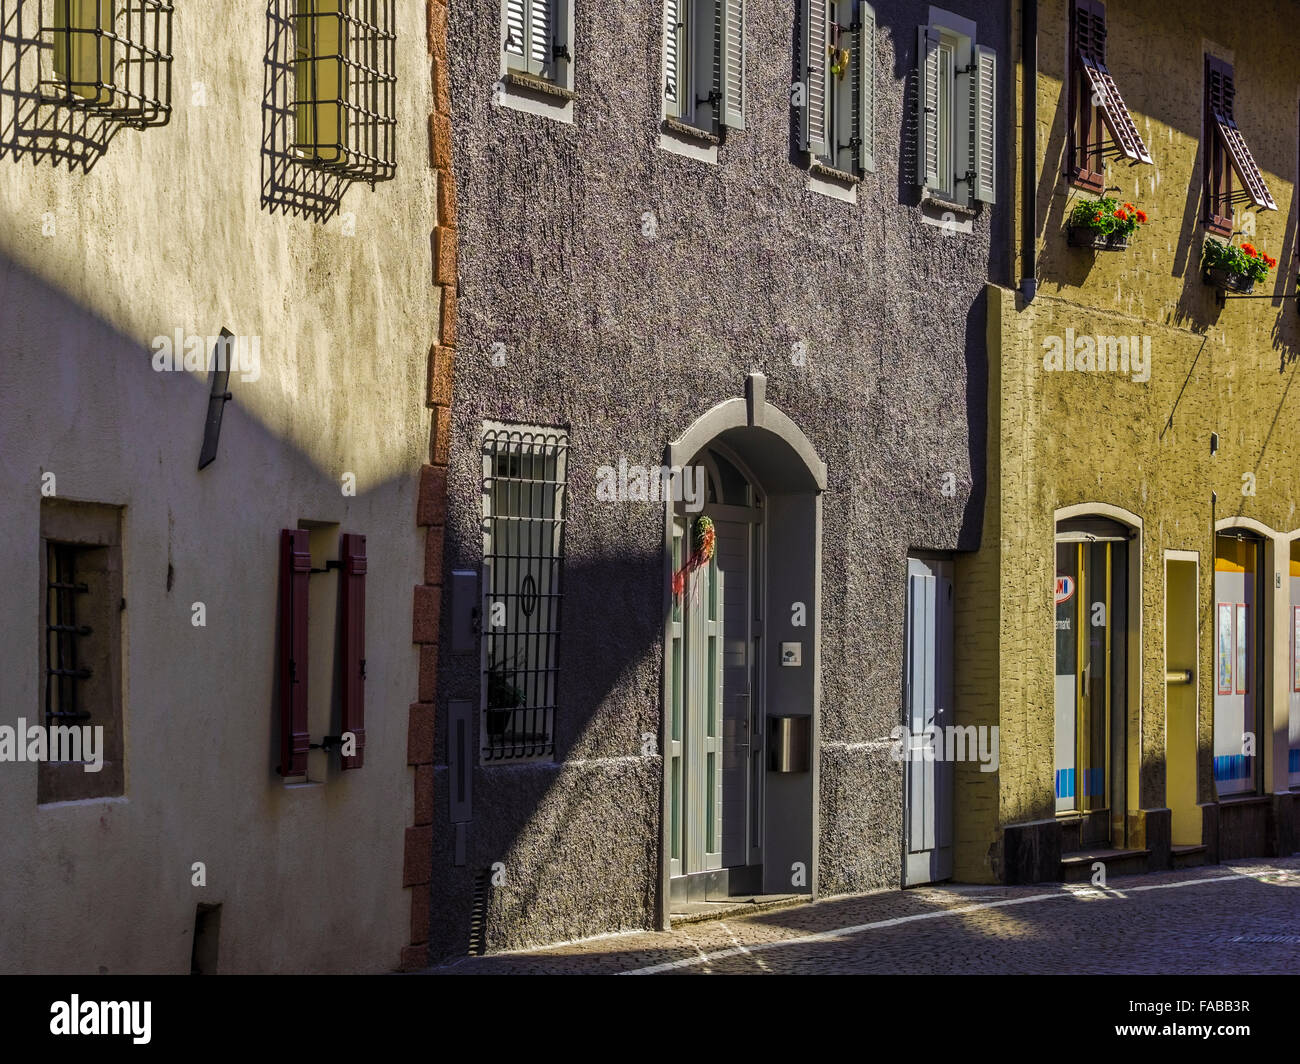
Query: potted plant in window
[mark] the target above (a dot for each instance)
(503, 698)
(1234, 269)
(1104, 224)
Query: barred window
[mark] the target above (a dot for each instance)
(111, 58)
(81, 649)
(345, 86)
(524, 473)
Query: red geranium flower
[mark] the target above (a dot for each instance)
(1122, 215)
(1249, 249)
(1142, 217)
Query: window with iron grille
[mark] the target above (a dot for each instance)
(81, 603)
(1226, 154)
(524, 474)
(110, 58)
(345, 87)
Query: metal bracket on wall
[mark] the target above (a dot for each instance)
(217, 398)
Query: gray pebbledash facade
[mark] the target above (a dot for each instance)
(823, 359)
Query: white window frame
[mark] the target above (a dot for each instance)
(849, 110)
(535, 680)
(959, 111)
(708, 92)
(527, 81)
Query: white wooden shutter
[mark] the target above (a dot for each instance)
(672, 52)
(561, 65)
(515, 40)
(866, 98)
(927, 107)
(733, 63)
(984, 104)
(816, 72)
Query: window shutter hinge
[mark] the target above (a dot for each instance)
(561, 51)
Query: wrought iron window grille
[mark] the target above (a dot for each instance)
(345, 87)
(108, 58)
(525, 473)
(63, 673)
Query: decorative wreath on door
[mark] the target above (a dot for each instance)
(704, 540)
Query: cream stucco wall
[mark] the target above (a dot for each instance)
(167, 231)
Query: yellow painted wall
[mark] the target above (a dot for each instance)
(1061, 438)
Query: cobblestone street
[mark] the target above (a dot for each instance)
(1240, 917)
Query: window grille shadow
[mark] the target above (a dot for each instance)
(33, 128)
(288, 185)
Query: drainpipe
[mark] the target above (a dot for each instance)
(1029, 147)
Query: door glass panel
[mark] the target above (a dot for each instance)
(1091, 595)
(1236, 644)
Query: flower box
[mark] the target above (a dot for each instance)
(1226, 281)
(1083, 236)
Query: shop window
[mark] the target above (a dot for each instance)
(1238, 664)
(524, 483)
(1096, 107)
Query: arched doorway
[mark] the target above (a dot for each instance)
(741, 661)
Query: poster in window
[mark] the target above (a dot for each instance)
(1225, 648)
(1243, 632)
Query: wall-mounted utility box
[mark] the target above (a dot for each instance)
(789, 741)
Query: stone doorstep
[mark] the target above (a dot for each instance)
(697, 912)
(1077, 867)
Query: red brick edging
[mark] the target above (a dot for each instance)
(431, 503)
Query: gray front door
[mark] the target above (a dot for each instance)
(927, 699)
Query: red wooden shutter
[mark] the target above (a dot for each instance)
(1090, 45)
(354, 644)
(295, 571)
(1222, 93)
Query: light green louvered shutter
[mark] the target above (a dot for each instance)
(674, 36)
(515, 40)
(866, 95)
(984, 106)
(927, 107)
(733, 63)
(816, 74)
(712, 707)
(676, 710)
(541, 36)
(705, 81)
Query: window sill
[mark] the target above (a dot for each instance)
(963, 210)
(1095, 186)
(533, 83)
(1245, 799)
(679, 128)
(820, 169)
